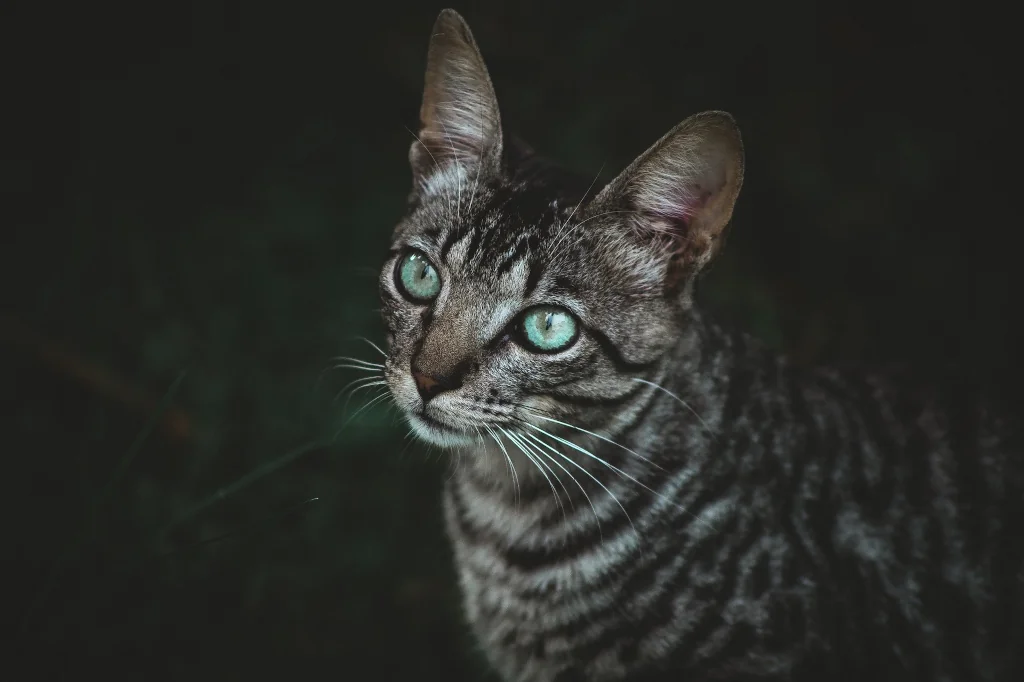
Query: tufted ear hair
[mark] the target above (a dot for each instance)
(680, 193)
(460, 126)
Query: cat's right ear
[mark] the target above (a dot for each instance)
(460, 128)
(680, 193)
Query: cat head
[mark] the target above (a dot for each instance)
(510, 296)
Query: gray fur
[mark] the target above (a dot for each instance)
(748, 519)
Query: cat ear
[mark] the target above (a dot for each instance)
(459, 122)
(682, 190)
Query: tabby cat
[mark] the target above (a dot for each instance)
(640, 494)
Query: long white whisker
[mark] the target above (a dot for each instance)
(544, 456)
(357, 361)
(382, 396)
(573, 228)
(373, 345)
(501, 445)
(476, 180)
(524, 449)
(361, 368)
(540, 465)
(576, 208)
(619, 471)
(458, 163)
(437, 166)
(681, 402)
(364, 368)
(588, 454)
(361, 383)
(647, 460)
(594, 478)
(515, 477)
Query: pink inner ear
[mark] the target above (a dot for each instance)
(682, 211)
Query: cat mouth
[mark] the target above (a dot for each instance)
(437, 432)
(437, 424)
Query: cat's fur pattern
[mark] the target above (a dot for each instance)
(764, 522)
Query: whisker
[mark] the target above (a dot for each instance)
(524, 446)
(681, 402)
(580, 224)
(538, 413)
(437, 166)
(610, 494)
(458, 163)
(576, 208)
(544, 456)
(619, 471)
(364, 368)
(508, 460)
(374, 346)
(476, 181)
(374, 378)
(370, 381)
(587, 453)
(347, 363)
(515, 476)
(564, 235)
(357, 361)
(383, 395)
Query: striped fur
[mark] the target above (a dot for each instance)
(665, 499)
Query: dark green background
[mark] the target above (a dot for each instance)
(209, 187)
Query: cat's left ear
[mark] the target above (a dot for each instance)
(680, 193)
(460, 127)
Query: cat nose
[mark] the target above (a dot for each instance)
(429, 386)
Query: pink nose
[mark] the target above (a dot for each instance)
(430, 384)
(424, 383)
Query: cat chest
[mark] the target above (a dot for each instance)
(536, 622)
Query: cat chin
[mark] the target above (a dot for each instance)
(437, 434)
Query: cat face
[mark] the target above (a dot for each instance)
(513, 299)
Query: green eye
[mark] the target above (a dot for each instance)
(417, 278)
(549, 329)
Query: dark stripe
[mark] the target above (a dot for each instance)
(616, 357)
(796, 509)
(454, 235)
(737, 392)
(662, 613)
(529, 559)
(536, 272)
(466, 529)
(520, 249)
(648, 566)
(742, 638)
(585, 368)
(761, 575)
(872, 439)
(589, 401)
(717, 594)
(476, 535)
(426, 318)
(474, 242)
(882, 445)
(563, 285)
